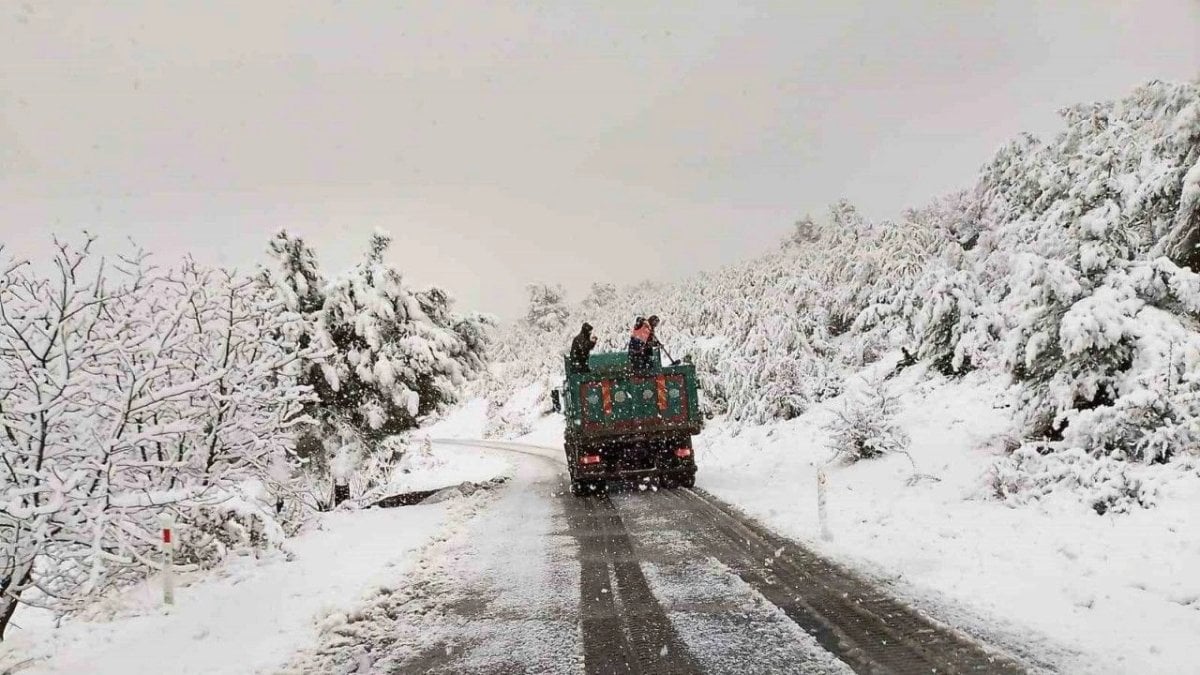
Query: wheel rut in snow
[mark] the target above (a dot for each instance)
(867, 628)
(624, 629)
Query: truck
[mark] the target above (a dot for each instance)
(627, 424)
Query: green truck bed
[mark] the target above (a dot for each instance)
(615, 400)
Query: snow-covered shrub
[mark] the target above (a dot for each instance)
(865, 427)
(1035, 471)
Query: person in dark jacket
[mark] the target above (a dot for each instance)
(581, 349)
(652, 341)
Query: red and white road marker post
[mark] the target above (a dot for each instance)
(168, 559)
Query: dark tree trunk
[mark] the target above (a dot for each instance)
(340, 494)
(1185, 245)
(10, 594)
(1183, 239)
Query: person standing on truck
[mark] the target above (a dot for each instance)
(640, 344)
(652, 341)
(581, 349)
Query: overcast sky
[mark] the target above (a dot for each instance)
(505, 143)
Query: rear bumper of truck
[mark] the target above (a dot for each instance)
(616, 465)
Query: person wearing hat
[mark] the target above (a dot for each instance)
(581, 349)
(642, 343)
(652, 340)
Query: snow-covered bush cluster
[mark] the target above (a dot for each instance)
(1069, 269)
(128, 392)
(1033, 472)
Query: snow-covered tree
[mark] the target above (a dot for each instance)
(384, 355)
(601, 295)
(1069, 268)
(128, 391)
(547, 307)
(393, 362)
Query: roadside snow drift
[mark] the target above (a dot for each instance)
(249, 616)
(1052, 580)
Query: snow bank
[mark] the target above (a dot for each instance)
(249, 617)
(1089, 593)
(437, 466)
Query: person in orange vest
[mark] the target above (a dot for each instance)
(642, 343)
(637, 341)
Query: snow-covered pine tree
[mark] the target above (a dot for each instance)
(1110, 186)
(393, 363)
(548, 310)
(600, 296)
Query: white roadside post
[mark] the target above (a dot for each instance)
(168, 558)
(822, 518)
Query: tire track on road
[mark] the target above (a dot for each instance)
(624, 628)
(867, 628)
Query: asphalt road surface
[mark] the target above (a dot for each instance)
(639, 581)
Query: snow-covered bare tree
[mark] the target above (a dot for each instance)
(125, 392)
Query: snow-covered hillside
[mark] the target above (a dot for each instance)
(1064, 270)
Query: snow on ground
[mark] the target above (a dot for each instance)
(247, 617)
(495, 594)
(546, 433)
(427, 464)
(439, 465)
(251, 615)
(1052, 580)
(1121, 590)
(467, 421)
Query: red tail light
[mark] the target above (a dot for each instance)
(683, 452)
(589, 459)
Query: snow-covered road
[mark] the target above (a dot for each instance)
(523, 577)
(497, 595)
(631, 582)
